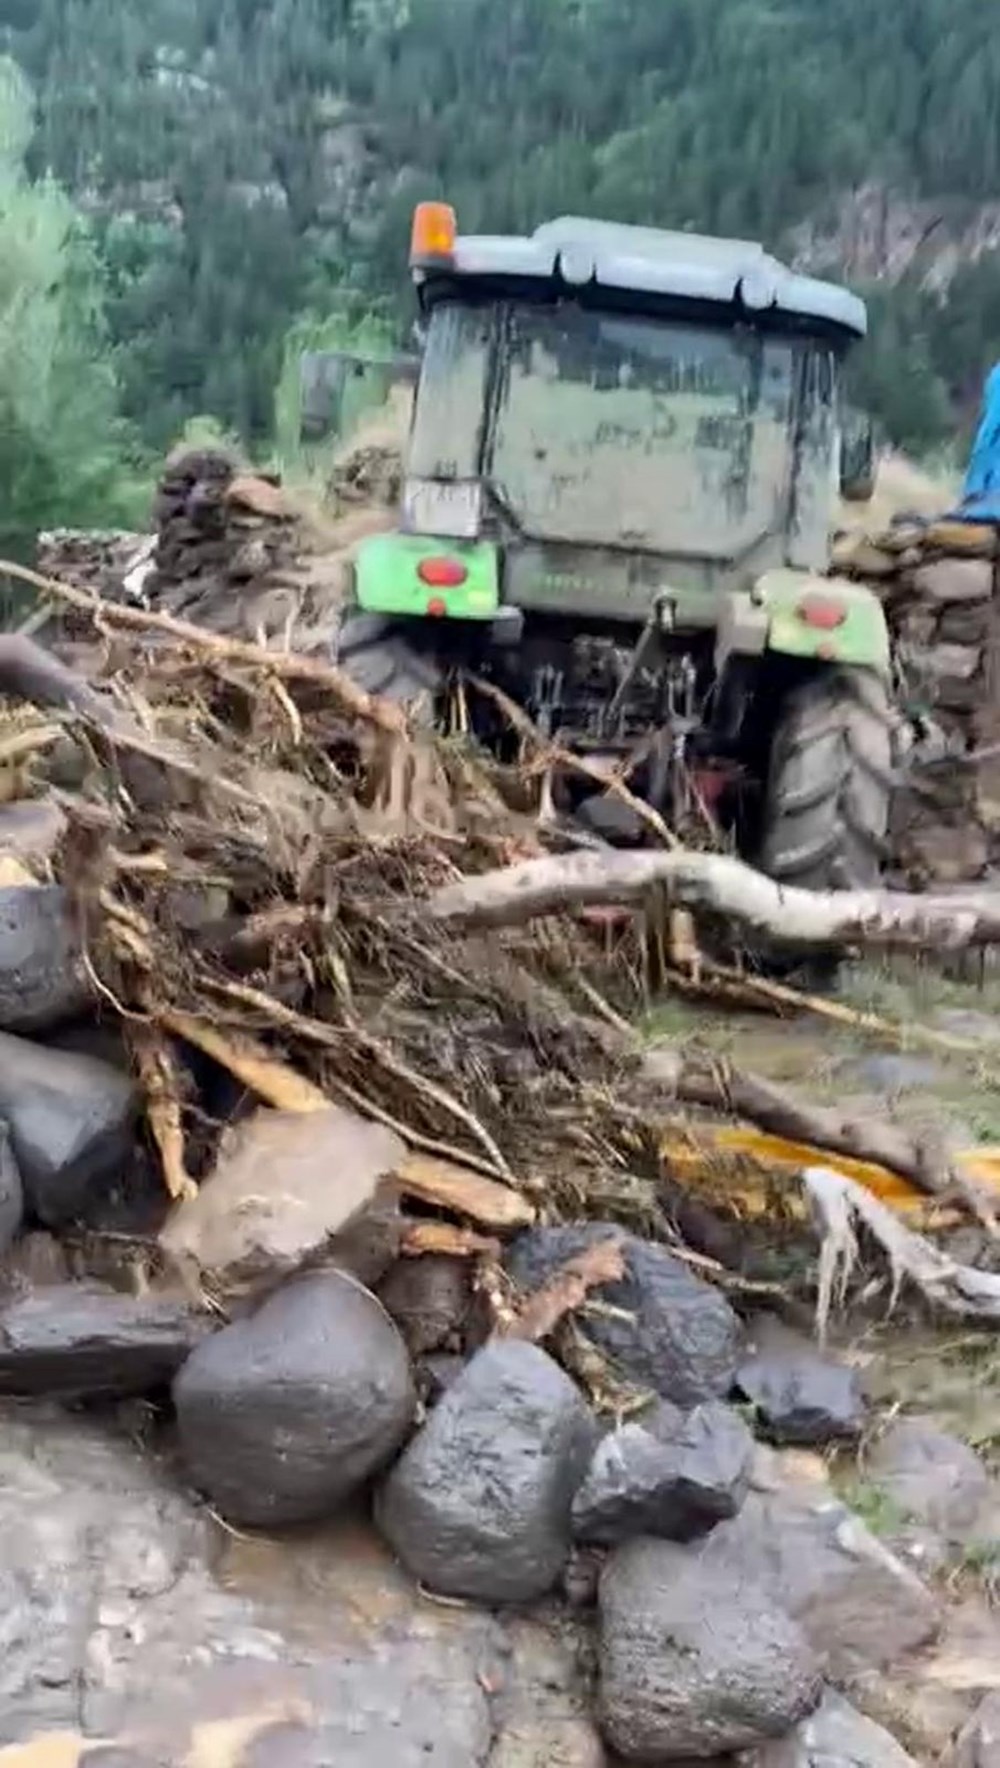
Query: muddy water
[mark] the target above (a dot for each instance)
(134, 1630)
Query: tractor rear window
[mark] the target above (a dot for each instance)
(637, 432)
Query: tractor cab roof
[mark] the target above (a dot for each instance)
(676, 266)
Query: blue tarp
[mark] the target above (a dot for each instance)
(981, 491)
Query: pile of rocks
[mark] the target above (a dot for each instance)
(220, 534)
(939, 584)
(735, 1603)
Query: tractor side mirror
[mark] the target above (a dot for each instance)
(857, 460)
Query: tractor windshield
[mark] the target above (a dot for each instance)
(612, 430)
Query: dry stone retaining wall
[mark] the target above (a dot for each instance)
(939, 585)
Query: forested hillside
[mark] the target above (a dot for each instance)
(246, 163)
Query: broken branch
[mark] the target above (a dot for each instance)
(566, 1290)
(715, 884)
(280, 665)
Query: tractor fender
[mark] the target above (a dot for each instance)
(848, 625)
(417, 576)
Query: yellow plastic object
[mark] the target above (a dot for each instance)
(741, 1164)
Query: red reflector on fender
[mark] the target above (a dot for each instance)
(436, 608)
(442, 573)
(821, 612)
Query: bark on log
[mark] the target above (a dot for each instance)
(712, 883)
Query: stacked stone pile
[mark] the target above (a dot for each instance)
(221, 535)
(939, 584)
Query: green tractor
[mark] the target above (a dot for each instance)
(625, 457)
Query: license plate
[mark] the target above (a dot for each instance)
(443, 506)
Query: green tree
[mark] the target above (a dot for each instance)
(62, 447)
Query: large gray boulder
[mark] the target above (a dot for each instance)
(664, 1328)
(671, 1475)
(283, 1415)
(71, 1121)
(41, 978)
(84, 1341)
(800, 1396)
(479, 1504)
(835, 1736)
(691, 1664)
(858, 1604)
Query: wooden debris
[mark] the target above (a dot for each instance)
(566, 1290)
(162, 1082)
(946, 1285)
(421, 1239)
(465, 1192)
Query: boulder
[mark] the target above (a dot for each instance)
(41, 980)
(71, 1119)
(978, 1743)
(859, 1606)
(800, 1396)
(429, 1299)
(82, 1340)
(973, 539)
(931, 1477)
(954, 580)
(836, 1735)
(673, 1476)
(479, 1504)
(283, 1415)
(930, 1696)
(11, 1192)
(693, 1664)
(285, 1184)
(664, 1328)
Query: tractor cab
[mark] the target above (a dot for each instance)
(608, 416)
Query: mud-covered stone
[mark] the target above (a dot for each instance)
(673, 1478)
(11, 1191)
(954, 580)
(429, 1299)
(41, 979)
(81, 1340)
(932, 1477)
(479, 1504)
(693, 1664)
(283, 1415)
(978, 1743)
(835, 1736)
(71, 1119)
(800, 1396)
(284, 1186)
(664, 1327)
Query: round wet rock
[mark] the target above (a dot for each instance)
(283, 1415)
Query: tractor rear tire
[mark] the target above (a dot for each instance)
(380, 657)
(826, 813)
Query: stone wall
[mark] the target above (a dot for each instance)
(939, 585)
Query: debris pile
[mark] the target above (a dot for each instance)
(364, 1125)
(93, 560)
(939, 584)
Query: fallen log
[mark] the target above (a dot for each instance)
(716, 1085)
(715, 884)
